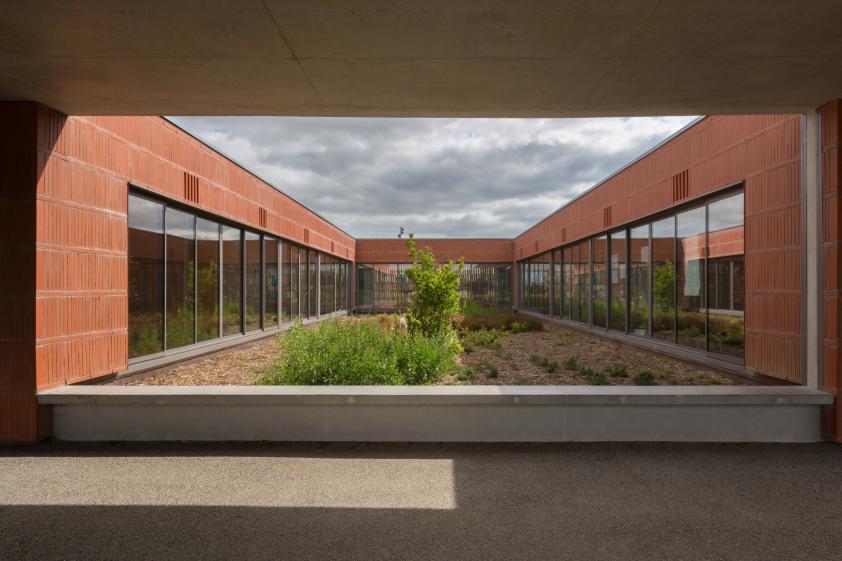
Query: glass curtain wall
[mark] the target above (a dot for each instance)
(193, 280)
(680, 279)
(146, 277)
(271, 288)
(599, 282)
(617, 276)
(180, 230)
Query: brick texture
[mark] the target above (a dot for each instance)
(763, 152)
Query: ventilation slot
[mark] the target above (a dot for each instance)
(191, 188)
(536, 246)
(332, 247)
(262, 219)
(563, 235)
(606, 217)
(306, 235)
(680, 186)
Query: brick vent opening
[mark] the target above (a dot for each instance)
(680, 186)
(191, 188)
(262, 217)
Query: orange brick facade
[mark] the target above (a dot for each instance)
(63, 234)
(763, 153)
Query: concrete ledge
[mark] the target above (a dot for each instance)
(437, 413)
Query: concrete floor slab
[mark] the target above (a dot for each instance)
(454, 502)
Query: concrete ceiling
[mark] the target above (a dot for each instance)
(421, 58)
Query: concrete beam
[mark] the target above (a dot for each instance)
(437, 414)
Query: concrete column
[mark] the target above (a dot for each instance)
(812, 230)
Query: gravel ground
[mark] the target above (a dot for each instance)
(557, 344)
(512, 359)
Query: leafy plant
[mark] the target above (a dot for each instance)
(472, 340)
(572, 363)
(435, 300)
(594, 378)
(337, 352)
(546, 364)
(616, 372)
(644, 378)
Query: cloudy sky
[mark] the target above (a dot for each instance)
(434, 177)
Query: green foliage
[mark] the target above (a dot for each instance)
(644, 378)
(337, 352)
(572, 363)
(476, 317)
(616, 372)
(543, 362)
(435, 300)
(484, 338)
(663, 286)
(493, 371)
(464, 373)
(594, 378)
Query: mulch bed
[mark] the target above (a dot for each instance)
(512, 360)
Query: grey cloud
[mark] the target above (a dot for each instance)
(436, 177)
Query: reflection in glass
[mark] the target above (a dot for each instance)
(583, 282)
(270, 282)
(639, 280)
(557, 283)
(663, 279)
(294, 294)
(146, 277)
(181, 281)
(232, 281)
(726, 277)
(690, 284)
(568, 282)
(207, 270)
(617, 265)
(313, 289)
(599, 282)
(252, 281)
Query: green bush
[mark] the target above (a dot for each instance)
(484, 338)
(644, 378)
(616, 372)
(496, 319)
(349, 353)
(548, 365)
(572, 363)
(594, 378)
(435, 300)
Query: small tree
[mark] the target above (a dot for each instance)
(435, 300)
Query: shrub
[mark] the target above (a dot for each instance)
(435, 300)
(464, 374)
(548, 365)
(476, 317)
(472, 340)
(493, 372)
(594, 378)
(644, 378)
(616, 372)
(572, 363)
(359, 353)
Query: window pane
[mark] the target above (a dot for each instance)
(583, 282)
(313, 292)
(294, 283)
(567, 283)
(270, 282)
(252, 281)
(146, 277)
(557, 283)
(207, 234)
(639, 281)
(599, 284)
(617, 315)
(181, 282)
(691, 274)
(232, 281)
(663, 279)
(285, 286)
(726, 274)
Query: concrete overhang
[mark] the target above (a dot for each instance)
(414, 58)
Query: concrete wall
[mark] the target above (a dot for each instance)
(761, 151)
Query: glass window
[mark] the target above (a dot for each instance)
(557, 283)
(146, 277)
(294, 283)
(690, 284)
(313, 290)
(617, 270)
(726, 277)
(285, 288)
(270, 282)
(599, 283)
(232, 281)
(181, 282)
(569, 282)
(663, 279)
(639, 280)
(252, 281)
(207, 268)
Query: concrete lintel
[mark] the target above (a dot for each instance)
(434, 395)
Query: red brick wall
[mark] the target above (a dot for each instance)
(718, 152)
(831, 120)
(393, 250)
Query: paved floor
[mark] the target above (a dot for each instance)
(262, 501)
